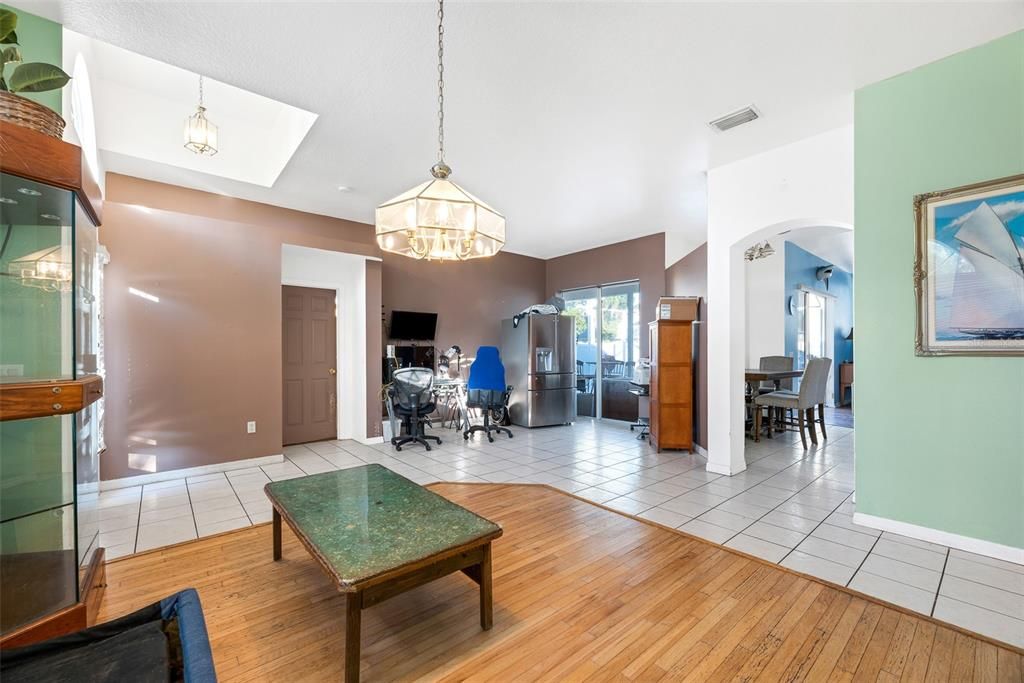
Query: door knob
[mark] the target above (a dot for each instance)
(332, 371)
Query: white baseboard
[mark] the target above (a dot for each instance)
(126, 482)
(370, 440)
(923, 533)
(715, 469)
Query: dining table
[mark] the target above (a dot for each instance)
(754, 376)
(451, 397)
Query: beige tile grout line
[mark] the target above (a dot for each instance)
(191, 509)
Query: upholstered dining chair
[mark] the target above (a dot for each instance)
(813, 384)
(775, 363)
(767, 386)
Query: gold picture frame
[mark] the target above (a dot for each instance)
(969, 270)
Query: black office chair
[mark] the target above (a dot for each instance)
(412, 398)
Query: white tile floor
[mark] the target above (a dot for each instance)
(790, 506)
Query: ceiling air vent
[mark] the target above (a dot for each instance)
(736, 118)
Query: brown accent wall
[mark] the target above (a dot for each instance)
(470, 299)
(640, 259)
(185, 374)
(689, 277)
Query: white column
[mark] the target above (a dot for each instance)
(726, 351)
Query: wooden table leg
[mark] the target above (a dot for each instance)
(277, 535)
(486, 602)
(353, 618)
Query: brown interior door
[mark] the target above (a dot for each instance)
(309, 353)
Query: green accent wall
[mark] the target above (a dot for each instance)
(940, 440)
(40, 40)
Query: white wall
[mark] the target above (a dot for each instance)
(78, 103)
(346, 274)
(807, 183)
(765, 306)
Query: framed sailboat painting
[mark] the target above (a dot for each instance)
(969, 270)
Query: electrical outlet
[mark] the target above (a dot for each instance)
(250, 427)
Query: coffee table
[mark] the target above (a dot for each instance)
(378, 534)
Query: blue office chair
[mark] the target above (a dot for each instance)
(486, 389)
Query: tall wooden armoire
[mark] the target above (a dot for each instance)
(672, 384)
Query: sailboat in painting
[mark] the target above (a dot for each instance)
(987, 300)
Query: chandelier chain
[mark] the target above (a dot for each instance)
(440, 81)
(200, 90)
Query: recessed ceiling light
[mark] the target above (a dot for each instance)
(7, 200)
(49, 216)
(29, 191)
(344, 188)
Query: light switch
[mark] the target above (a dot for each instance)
(250, 427)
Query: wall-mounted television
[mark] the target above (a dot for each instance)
(413, 326)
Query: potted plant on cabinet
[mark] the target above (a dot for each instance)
(25, 78)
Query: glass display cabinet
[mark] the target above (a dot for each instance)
(50, 564)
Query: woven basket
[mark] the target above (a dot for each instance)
(22, 111)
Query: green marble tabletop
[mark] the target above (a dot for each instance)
(365, 521)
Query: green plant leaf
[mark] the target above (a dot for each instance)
(37, 77)
(8, 22)
(9, 54)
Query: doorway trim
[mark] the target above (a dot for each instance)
(346, 275)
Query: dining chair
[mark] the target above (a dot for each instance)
(820, 389)
(813, 384)
(775, 363)
(613, 368)
(767, 386)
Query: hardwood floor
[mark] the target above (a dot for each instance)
(580, 592)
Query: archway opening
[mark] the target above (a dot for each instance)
(770, 330)
(798, 307)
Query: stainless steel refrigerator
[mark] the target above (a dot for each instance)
(540, 363)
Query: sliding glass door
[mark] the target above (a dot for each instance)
(814, 333)
(607, 348)
(582, 304)
(620, 347)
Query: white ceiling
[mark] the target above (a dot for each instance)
(141, 105)
(834, 245)
(583, 123)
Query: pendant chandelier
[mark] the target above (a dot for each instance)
(200, 133)
(438, 220)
